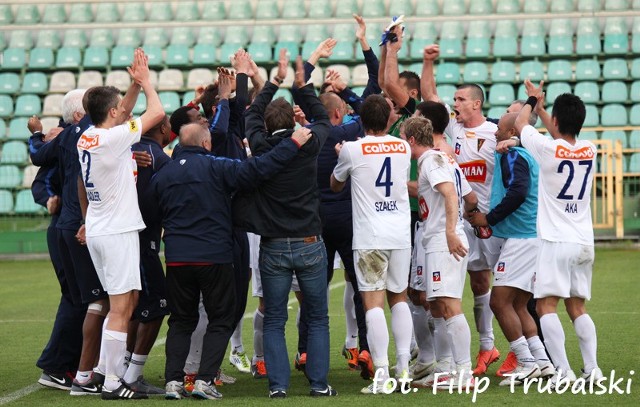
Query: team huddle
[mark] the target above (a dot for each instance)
(413, 194)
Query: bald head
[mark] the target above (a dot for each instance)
(335, 107)
(193, 134)
(506, 126)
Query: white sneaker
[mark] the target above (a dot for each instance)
(240, 361)
(519, 374)
(561, 377)
(420, 370)
(174, 391)
(444, 378)
(463, 379)
(547, 370)
(378, 388)
(205, 391)
(595, 373)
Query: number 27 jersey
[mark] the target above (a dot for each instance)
(379, 170)
(564, 187)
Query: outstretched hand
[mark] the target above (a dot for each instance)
(139, 69)
(302, 135)
(334, 78)
(361, 32)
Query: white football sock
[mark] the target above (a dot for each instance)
(401, 326)
(460, 339)
(102, 367)
(378, 338)
(537, 349)
(135, 368)
(83, 377)
(236, 339)
(586, 331)
(258, 348)
(441, 344)
(521, 348)
(424, 338)
(351, 338)
(554, 340)
(192, 364)
(116, 346)
(484, 320)
(126, 360)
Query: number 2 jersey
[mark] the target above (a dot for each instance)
(379, 170)
(564, 187)
(108, 173)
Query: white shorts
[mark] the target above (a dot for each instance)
(516, 266)
(416, 279)
(445, 275)
(564, 270)
(483, 253)
(117, 261)
(378, 270)
(254, 250)
(254, 255)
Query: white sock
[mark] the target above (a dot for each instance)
(460, 339)
(554, 340)
(351, 339)
(423, 335)
(102, 362)
(441, 344)
(586, 331)
(84, 376)
(336, 263)
(401, 326)
(484, 320)
(192, 364)
(126, 360)
(537, 349)
(116, 346)
(135, 368)
(521, 348)
(298, 319)
(258, 348)
(236, 339)
(378, 338)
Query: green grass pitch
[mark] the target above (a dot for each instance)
(29, 295)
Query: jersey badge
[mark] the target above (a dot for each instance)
(457, 151)
(480, 143)
(133, 126)
(183, 161)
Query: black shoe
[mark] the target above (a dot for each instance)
(91, 388)
(277, 394)
(328, 392)
(122, 393)
(60, 381)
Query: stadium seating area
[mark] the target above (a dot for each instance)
(588, 47)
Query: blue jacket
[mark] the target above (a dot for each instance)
(194, 192)
(44, 155)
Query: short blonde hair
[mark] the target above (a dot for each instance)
(420, 129)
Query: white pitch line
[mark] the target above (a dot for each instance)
(25, 391)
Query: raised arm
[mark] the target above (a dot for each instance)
(370, 59)
(392, 76)
(428, 80)
(535, 96)
(219, 124)
(139, 72)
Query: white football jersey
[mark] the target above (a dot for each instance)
(564, 188)
(379, 170)
(474, 149)
(109, 176)
(436, 167)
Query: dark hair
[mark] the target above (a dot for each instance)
(436, 113)
(324, 86)
(100, 100)
(570, 112)
(412, 81)
(209, 100)
(278, 115)
(374, 113)
(179, 118)
(476, 91)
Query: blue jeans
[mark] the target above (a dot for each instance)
(279, 259)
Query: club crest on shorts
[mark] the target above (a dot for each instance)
(419, 270)
(436, 277)
(500, 267)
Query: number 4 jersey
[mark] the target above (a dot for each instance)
(108, 173)
(379, 170)
(564, 187)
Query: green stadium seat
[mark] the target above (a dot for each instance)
(560, 27)
(18, 128)
(320, 9)
(634, 139)
(6, 16)
(27, 14)
(28, 105)
(182, 36)
(635, 92)
(416, 47)
(293, 11)
(561, 6)
(452, 29)
(614, 92)
(505, 47)
(507, 7)
(62, 82)
(263, 34)
(587, 69)
(3, 42)
(506, 28)
(121, 56)
(425, 30)
(80, 13)
(454, 8)
(25, 203)
(134, 12)
(101, 37)
(479, 29)
(559, 70)
(316, 33)
(289, 33)
(555, 89)
(615, 68)
(344, 51)
(401, 7)
(3, 129)
(451, 47)
(588, 91)
(588, 5)
(616, 5)
(9, 83)
(266, 10)
(307, 48)
(129, 37)
(69, 57)
(260, 52)
(54, 14)
(344, 32)
(107, 13)
(375, 9)
(615, 135)
(283, 93)
(13, 59)
(213, 10)
(501, 94)
(227, 51)
(95, 57)
(236, 35)
(346, 8)
(292, 47)
(156, 36)
(427, 8)
(446, 92)
(209, 36)
(6, 202)
(48, 39)
(588, 44)
(447, 72)
(635, 68)
(614, 115)
(141, 105)
(240, 10)
(560, 45)
(75, 38)
(35, 82)
(177, 55)
(41, 58)
(477, 48)
(188, 97)
(496, 112)
(481, 7)
(10, 176)
(475, 72)
(154, 53)
(616, 44)
(14, 152)
(204, 54)
(20, 39)
(634, 163)
(532, 70)
(532, 46)
(6, 110)
(170, 101)
(588, 135)
(533, 27)
(188, 11)
(503, 71)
